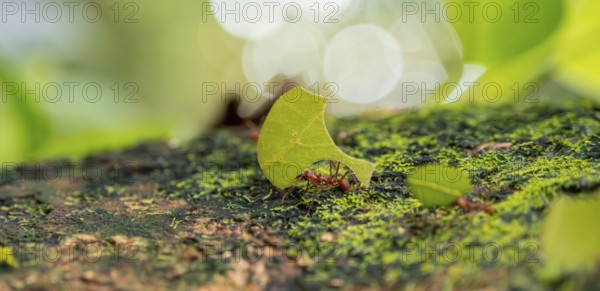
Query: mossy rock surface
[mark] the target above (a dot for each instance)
(203, 214)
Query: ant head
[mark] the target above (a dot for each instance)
(309, 175)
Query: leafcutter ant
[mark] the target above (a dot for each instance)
(464, 203)
(320, 181)
(254, 131)
(253, 128)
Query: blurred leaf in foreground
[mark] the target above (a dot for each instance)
(578, 56)
(294, 137)
(23, 126)
(438, 185)
(7, 258)
(570, 237)
(493, 33)
(514, 40)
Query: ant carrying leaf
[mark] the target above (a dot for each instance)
(333, 181)
(320, 181)
(294, 137)
(464, 203)
(253, 129)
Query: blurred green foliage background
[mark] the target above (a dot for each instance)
(159, 53)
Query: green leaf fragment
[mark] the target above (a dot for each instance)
(294, 137)
(570, 237)
(438, 185)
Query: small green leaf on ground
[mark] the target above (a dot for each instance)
(294, 137)
(570, 236)
(438, 185)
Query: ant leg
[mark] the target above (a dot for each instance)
(290, 190)
(337, 170)
(344, 176)
(330, 168)
(312, 201)
(309, 207)
(286, 194)
(315, 183)
(305, 189)
(355, 180)
(337, 181)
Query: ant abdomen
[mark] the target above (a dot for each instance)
(344, 185)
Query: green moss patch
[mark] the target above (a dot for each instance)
(204, 214)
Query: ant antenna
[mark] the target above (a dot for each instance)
(290, 190)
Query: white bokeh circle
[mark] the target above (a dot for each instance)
(365, 62)
(293, 51)
(248, 19)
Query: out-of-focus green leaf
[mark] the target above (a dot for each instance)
(99, 138)
(25, 128)
(578, 55)
(438, 185)
(294, 137)
(7, 258)
(11, 143)
(493, 32)
(516, 46)
(177, 97)
(515, 81)
(570, 238)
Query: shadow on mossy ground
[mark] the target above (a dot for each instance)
(204, 215)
